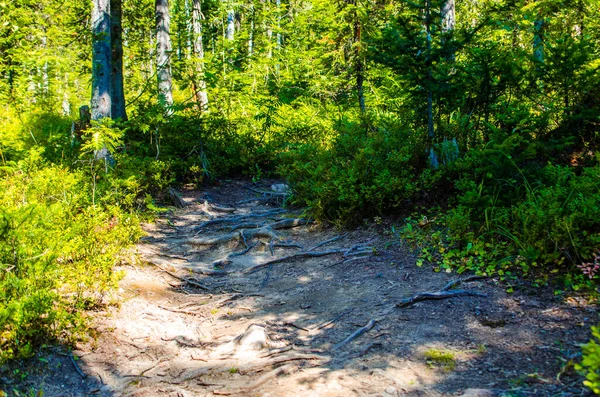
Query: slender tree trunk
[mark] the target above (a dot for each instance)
(448, 14)
(199, 82)
(430, 128)
(251, 33)
(538, 41)
(230, 32)
(101, 60)
(360, 69)
(163, 55)
(118, 94)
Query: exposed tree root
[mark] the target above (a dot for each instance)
(354, 335)
(283, 370)
(331, 240)
(240, 218)
(444, 293)
(328, 323)
(302, 254)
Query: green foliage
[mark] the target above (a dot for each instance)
(591, 361)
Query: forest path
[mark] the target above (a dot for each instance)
(241, 296)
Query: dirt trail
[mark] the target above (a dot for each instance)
(244, 297)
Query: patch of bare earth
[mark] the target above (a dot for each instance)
(235, 295)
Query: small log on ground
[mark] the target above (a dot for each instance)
(176, 198)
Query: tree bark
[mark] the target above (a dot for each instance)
(101, 60)
(163, 55)
(118, 93)
(230, 32)
(360, 78)
(448, 14)
(199, 82)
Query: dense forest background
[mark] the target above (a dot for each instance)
(476, 122)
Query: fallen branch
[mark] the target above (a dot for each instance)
(227, 259)
(354, 335)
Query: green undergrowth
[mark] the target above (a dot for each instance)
(65, 218)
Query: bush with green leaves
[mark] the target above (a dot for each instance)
(590, 363)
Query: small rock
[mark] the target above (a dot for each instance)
(478, 393)
(280, 188)
(391, 390)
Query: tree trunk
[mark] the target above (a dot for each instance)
(448, 14)
(101, 60)
(251, 33)
(199, 82)
(118, 94)
(360, 78)
(163, 55)
(538, 43)
(230, 33)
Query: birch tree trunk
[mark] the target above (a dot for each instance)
(230, 32)
(163, 55)
(118, 94)
(101, 60)
(448, 14)
(199, 82)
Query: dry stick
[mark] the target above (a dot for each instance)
(331, 240)
(277, 361)
(79, 371)
(354, 335)
(259, 382)
(266, 279)
(336, 318)
(267, 193)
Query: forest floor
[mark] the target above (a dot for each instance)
(236, 295)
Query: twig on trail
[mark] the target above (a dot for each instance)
(286, 369)
(76, 366)
(302, 254)
(333, 320)
(354, 335)
(287, 245)
(267, 193)
(444, 293)
(331, 240)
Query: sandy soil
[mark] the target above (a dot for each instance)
(182, 326)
